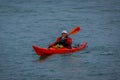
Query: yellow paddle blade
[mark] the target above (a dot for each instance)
(74, 30)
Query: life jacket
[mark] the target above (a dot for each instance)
(66, 43)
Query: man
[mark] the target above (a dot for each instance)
(64, 40)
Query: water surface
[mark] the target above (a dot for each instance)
(24, 23)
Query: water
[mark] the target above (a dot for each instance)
(24, 23)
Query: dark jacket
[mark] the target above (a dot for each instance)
(66, 43)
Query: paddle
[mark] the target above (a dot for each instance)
(74, 30)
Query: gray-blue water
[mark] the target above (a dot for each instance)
(24, 23)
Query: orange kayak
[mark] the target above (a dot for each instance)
(50, 51)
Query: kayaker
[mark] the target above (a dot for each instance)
(64, 40)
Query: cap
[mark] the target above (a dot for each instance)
(64, 31)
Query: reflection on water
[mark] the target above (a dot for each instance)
(46, 57)
(43, 58)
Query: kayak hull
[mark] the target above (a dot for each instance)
(45, 51)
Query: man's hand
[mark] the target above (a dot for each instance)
(63, 38)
